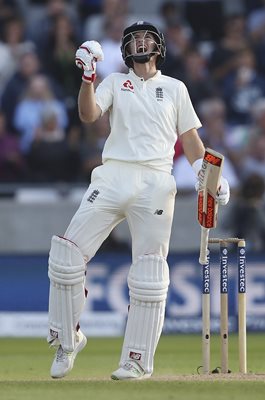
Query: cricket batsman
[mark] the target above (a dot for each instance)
(148, 112)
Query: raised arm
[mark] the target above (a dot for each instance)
(88, 109)
(86, 58)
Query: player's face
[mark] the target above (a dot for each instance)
(142, 42)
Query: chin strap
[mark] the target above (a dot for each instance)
(141, 59)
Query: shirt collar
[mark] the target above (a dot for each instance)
(133, 74)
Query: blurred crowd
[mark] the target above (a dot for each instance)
(218, 51)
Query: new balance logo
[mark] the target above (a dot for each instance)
(158, 212)
(93, 196)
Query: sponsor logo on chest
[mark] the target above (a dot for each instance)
(127, 86)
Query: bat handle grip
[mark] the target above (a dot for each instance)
(204, 245)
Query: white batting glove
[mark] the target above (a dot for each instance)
(86, 58)
(223, 194)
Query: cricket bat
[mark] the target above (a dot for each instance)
(209, 182)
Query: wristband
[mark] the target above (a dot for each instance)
(89, 77)
(196, 166)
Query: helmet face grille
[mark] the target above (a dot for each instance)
(129, 38)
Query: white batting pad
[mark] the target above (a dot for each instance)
(148, 282)
(67, 291)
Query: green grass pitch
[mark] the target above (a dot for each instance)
(25, 364)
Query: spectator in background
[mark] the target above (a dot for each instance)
(256, 27)
(234, 39)
(179, 40)
(205, 17)
(247, 217)
(256, 23)
(88, 7)
(40, 25)
(254, 162)
(29, 66)
(50, 157)
(171, 11)
(7, 9)
(258, 118)
(12, 163)
(243, 87)
(215, 131)
(218, 134)
(111, 48)
(95, 25)
(197, 77)
(12, 45)
(60, 46)
(39, 95)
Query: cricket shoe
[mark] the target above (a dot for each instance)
(64, 360)
(130, 370)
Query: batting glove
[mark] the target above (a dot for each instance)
(86, 58)
(223, 194)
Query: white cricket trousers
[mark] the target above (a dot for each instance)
(119, 190)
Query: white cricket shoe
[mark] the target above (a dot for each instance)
(64, 361)
(130, 370)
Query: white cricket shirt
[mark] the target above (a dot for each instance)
(146, 117)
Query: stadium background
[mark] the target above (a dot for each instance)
(33, 207)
